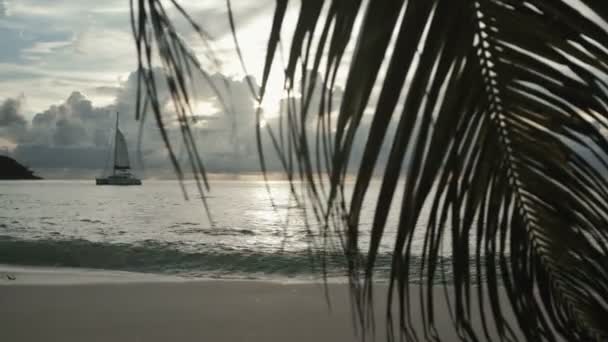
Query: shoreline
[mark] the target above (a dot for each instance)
(48, 275)
(61, 275)
(120, 306)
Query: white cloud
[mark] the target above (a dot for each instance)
(43, 48)
(51, 48)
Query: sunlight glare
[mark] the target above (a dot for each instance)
(204, 108)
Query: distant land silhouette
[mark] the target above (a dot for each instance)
(11, 169)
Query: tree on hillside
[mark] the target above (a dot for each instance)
(499, 106)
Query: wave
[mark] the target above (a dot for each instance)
(87, 220)
(181, 230)
(167, 258)
(152, 256)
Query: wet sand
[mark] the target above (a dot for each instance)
(116, 306)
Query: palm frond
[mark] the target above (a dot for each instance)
(499, 107)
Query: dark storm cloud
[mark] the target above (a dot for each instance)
(68, 133)
(12, 123)
(76, 134)
(10, 113)
(72, 134)
(76, 122)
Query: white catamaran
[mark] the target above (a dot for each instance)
(121, 172)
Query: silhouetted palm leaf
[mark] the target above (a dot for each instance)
(498, 107)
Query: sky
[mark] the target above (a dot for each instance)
(67, 66)
(52, 47)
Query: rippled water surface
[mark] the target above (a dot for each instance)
(153, 228)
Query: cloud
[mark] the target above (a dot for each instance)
(51, 49)
(83, 44)
(76, 122)
(76, 133)
(68, 133)
(10, 113)
(105, 90)
(12, 122)
(58, 136)
(4, 9)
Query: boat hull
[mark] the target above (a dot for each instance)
(117, 181)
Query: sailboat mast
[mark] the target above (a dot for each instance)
(115, 145)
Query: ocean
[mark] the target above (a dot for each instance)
(153, 228)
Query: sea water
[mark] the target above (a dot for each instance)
(247, 233)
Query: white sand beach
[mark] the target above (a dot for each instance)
(45, 304)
